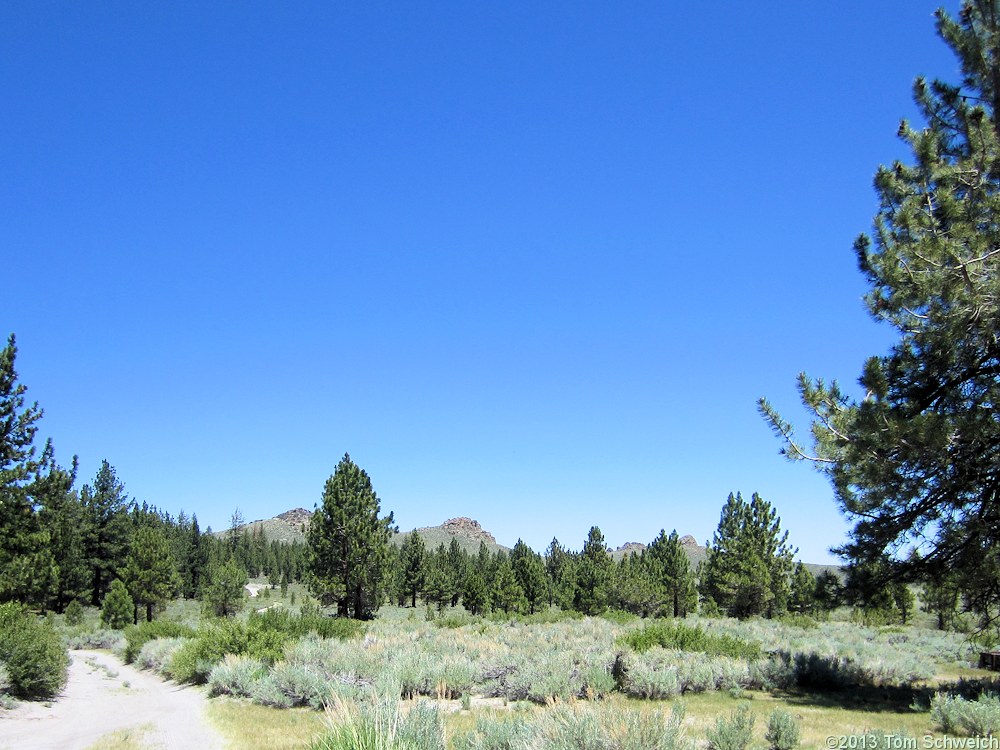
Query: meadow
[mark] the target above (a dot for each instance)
(418, 678)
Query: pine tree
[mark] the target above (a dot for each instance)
(474, 596)
(914, 462)
(803, 590)
(507, 594)
(555, 557)
(150, 572)
(117, 609)
(634, 588)
(197, 561)
(593, 575)
(106, 507)
(412, 559)
(438, 581)
(225, 587)
(869, 589)
(671, 569)
(28, 571)
(458, 567)
(62, 517)
(905, 601)
(749, 562)
(828, 593)
(530, 573)
(939, 597)
(348, 544)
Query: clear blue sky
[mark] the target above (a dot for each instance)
(530, 263)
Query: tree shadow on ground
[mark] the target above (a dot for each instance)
(863, 698)
(885, 699)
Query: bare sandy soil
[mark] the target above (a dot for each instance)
(103, 695)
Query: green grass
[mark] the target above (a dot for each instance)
(131, 738)
(677, 635)
(248, 726)
(251, 727)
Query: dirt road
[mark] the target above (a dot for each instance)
(104, 695)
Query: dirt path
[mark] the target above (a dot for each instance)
(104, 695)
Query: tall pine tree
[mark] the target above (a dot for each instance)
(413, 554)
(670, 568)
(593, 574)
(63, 517)
(106, 507)
(749, 562)
(348, 544)
(530, 573)
(914, 463)
(150, 572)
(28, 572)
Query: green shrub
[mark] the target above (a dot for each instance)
(974, 718)
(782, 731)
(690, 638)
(496, 734)
(541, 617)
(309, 620)
(74, 613)
(456, 620)
(136, 636)
(619, 616)
(571, 728)
(266, 693)
(100, 638)
(379, 725)
(236, 675)
(157, 654)
(190, 664)
(798, 620)
(639, 730)
(195, 659)
(301, 685)
(645, 678)
(31, 653)
(578, 728)
(733, 732)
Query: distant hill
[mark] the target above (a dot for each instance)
(466, 531)
(697, 553)
(291, 525)
(287, 527)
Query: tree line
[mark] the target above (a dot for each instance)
(60, 545)
(749, 570)
(98, 546)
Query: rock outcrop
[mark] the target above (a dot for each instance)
(632, 547)
(295, 516)
(468, 528)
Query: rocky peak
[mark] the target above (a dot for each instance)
(468, 528)
(688, 541)
(296, 516)
(632, 547)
